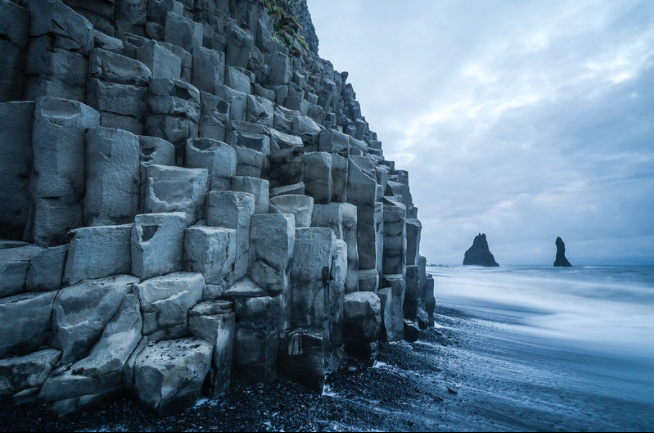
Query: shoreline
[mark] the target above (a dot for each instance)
(473, 372)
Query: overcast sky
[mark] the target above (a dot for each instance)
(524, 120)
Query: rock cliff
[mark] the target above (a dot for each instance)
(479, 254)
(191, 197)
(561, 261)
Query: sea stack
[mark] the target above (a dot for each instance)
(479, 254)
(561, 261)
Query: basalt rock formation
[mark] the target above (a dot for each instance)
(561, 261)
(479, 254)
(191, 196)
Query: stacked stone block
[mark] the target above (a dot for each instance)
(188, 202)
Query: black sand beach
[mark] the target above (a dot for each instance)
(475, 372)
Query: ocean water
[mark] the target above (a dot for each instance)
(608, 309)
(586, 330)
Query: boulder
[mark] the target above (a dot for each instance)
(255, 186)
(302, 359)
(237, 102)
(237, 80)
(368, 281)
(218, 158)
(114, 68)
(318, 176)
(157, 151)
(310, 277)
(257, 339)
(112, 177)
(283, 146)
(80, 314)
(208, 69)
(251, 163)
(16, 123)
(260, 110)
(301, 206)
(413, 232)
(157, 244)
(26, 372)
(98, 376)
(233, 210)
(342, 219)
(51, 17)
(183, 32)
(57, 182)
(14, 263)
(362, 327)
(280, 69)
(46, 270)
(394, 238)
(412, 293)
(163, 63)
(479, 254)
(394, 307)
(165, 302)
(168, 376)
(215, 113)
(210, 251)
(239, 45)
(26, 323)
(272, 246)
(339, 178)
(117, 100)
(14, 23)
(215, 323)
(98, 252)
(362, 192)
(175, 189)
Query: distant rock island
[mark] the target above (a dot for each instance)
(561, 261)
(479, 254)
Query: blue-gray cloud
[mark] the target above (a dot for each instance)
(525, 120)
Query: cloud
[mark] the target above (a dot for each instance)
(525, 120)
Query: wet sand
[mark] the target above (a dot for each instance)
(476, 372)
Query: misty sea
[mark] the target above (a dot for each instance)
(587, 331)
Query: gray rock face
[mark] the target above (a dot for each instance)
(168, 375)
(16, 123)
(80, 314)
(206, 145)
(98, 252)
(157, 244)
(26, 323)
(165, 302)
(112, 177)
(57, 180)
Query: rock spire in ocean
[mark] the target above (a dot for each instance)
(561, 261)
(479, 254)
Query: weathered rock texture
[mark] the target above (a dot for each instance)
(479, 254)
(561, 261)
(202, 199)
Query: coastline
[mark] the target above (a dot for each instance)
(477, 371)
